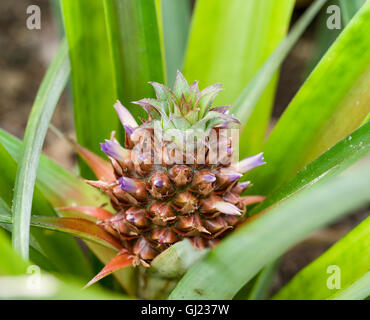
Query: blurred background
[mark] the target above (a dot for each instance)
(25, 55)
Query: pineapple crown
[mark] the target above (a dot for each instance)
(185, 108)
(181, 119)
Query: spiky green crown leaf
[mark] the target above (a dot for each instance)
(185, 108)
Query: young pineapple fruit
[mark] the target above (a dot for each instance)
(163, 193)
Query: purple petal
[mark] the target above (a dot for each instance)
(234, 176)
(158, 183)
(209, 178)
(250, 163)
(244, 185)
(130, 217)
(127, 184)
(128, 129)
(141, 157)
(227, 208)
(114, 149)
(124, 115)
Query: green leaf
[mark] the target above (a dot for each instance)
(245, 108)
(176, 260)
(92, 74)
(359, 290)
(228, 43)
(335, 160)
(99, 241)
(332, 103)
(15, 276)
(222, 273)
(65, 190)
(259, 286)
(136, 49)
(176, 23)
(263, 282)
(59, 186)
(349, 8)
(10, 262)
(37, 254)
(63, 252)
(47, 97)
(51, 288)
(323, 38)
(80, 228)
(349, 259)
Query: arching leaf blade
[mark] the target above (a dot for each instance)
(345, 153)
(47, 97)
(333, 102)
(349, 260)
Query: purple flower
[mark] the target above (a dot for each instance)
(244, 185)
(250, 163)
(114, 150)
(127, 184)
(158, 182)
(209, 178)
(233, 176)
(125, 116)
(128, 129)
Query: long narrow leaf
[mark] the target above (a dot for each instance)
(349, 260)
(336, 159)
(359, 290)
(15, 280)
(92, 74)
(240, 256)
(80, 228)
(333, 102)
(64, 252)
(323, 37)
(37, 254)
(47, 97)
(60, 187)
(246, 103)
(264, 282)
(136, 49)
(98, 240)
(10, 262)
(228, 43)
(349, 8)
(68, 190)
(176, 23)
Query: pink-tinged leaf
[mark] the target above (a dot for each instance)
(102, 169)
(96, 212)
(80, 228)
(67, 189)
(99, 184)
(121, 260)
(252, 199)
